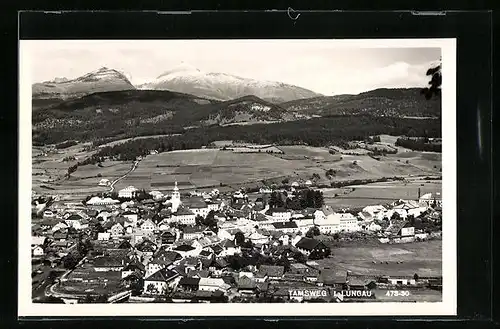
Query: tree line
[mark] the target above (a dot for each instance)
(419, 144)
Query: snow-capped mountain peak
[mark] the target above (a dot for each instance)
(188, 79)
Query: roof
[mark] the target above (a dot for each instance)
(227, 244)
(183, 212)
(395, 227)
(37, 240)
(193, 229)
(212, 282)
(184, 247)
(108, 261)
(283, 225)
(307, 243)
(272, 270)
(163, 275)
(245, 282)
(189, 281)
(74, 217)
(278, 210)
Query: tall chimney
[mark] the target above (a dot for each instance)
(419, 193)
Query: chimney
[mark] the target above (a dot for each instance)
(419, 193)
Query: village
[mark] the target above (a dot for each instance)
(264, 246)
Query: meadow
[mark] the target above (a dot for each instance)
(227, 170)
(423, 258)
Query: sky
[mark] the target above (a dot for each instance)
(329, 67)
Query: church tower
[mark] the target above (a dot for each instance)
(176, 198)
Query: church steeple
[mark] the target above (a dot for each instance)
(176, 198)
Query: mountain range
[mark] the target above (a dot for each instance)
(183, 78)
(220, 86)
(101, 80)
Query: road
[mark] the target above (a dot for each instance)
(112, 186)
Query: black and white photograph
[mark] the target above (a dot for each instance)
(303, 177)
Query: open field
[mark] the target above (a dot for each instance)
(208, 168)
(423, 258)
(379, 193)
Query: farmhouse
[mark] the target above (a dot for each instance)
(128, 192)
(104, 182)
(161, 281)
(309, 245)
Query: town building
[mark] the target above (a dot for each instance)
(128, 193)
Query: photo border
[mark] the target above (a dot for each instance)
(448, 306)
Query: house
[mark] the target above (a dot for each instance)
(193, 232)
(103, 236)
(258, 238)
(273, 272)
(60, 236)
(309, 245)
(401, 229)
(38, 240)
(148, 226)
(189, 284)
(97, 201)
(402, 280)
(37, 251)
(336, 278)
(104, 182)
(116, 230)
(128, 192)
(168, 237)
(161, 282)
(246, 285)
(213, 284)
(229, 248)
(59, 226)
(184, 216)
(374, 212)
(186, 250)
(157, 195)
(428, 199)
(147, 247)
(48, 214)
(198, 207)
(360, 283)
(280, 214)
(130, 215)
(133, 267)
(348, 223)
(157, 264)
(286, 227)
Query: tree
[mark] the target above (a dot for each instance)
(198, 220)
(415, 276)
(285, 181)
(312, 232)
(434, 88)
(239, 238)
(69, 261)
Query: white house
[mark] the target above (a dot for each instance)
(48, 214)
(37, 251)
(97, 201)
(213, 284)
(428, 199)
(128, 192)
(160, 282)
(148, 226)
(132, 216)
(104, 182)
(348, 223)
(157, 195)
(103, 236)
(280, 214)
(184, 216)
